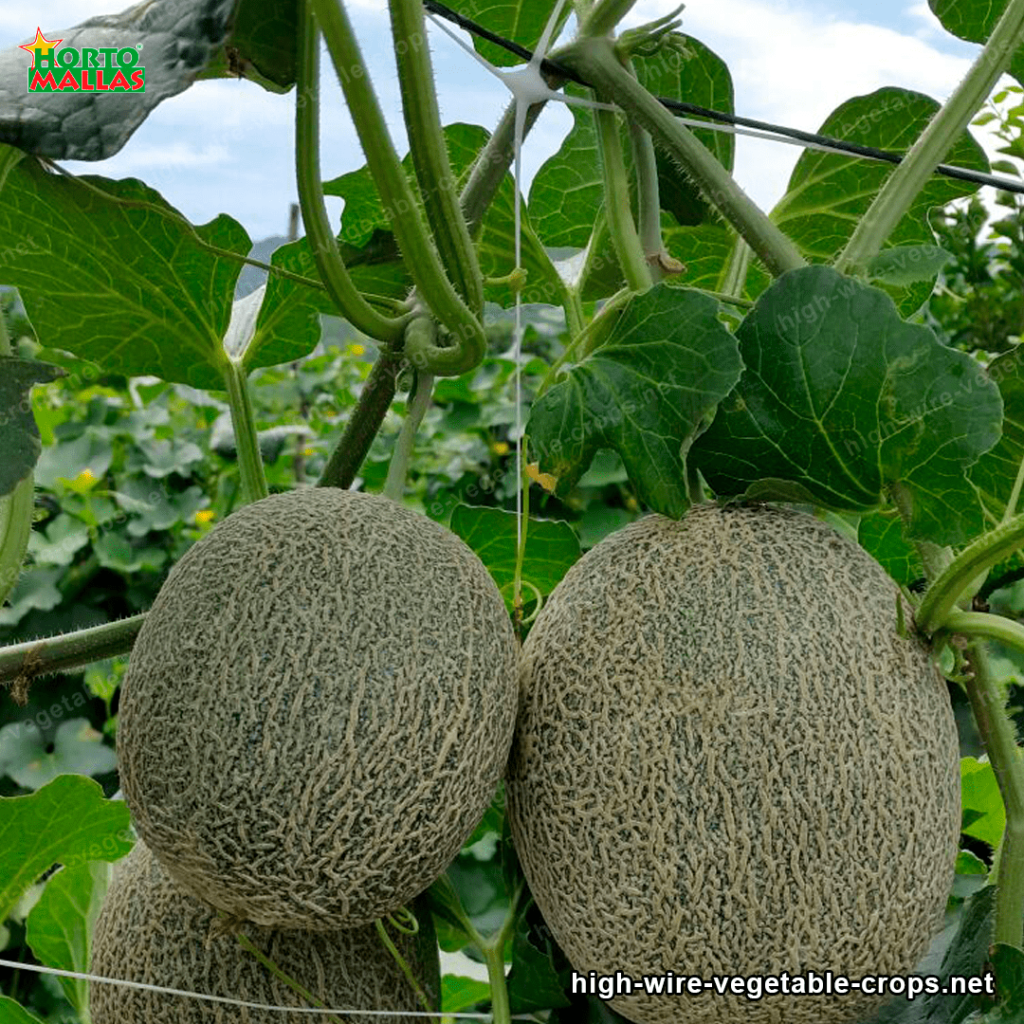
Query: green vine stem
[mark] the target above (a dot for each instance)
(419, 402)
(648, 201)
(396, 193)
(988, 705)
(21, 663)
(16, 509)
(604, 16)
(429, 153)
(909, 177)
(401, 961)
(243, 422)
(625, 239)
(344, 294)
(246, 943)
(966, 570)
(597, 61)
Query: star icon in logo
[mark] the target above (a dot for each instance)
(40, 43)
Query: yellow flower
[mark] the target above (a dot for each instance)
(85, 477)
(499, 448)
(204, 516)
(546, 480)
(357, 350)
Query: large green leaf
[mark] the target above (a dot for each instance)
(645, 393)
(881, 534)
(104, 274)
(19, 437)
(841, 399)
(828, 193)
(1008, 965)
(974, 22)
(551, 548)
(179, 38)
(983, 812)
(522, 21)
(78, 749)
(60, 926)
(261, 46)
(995, 472)
(67, 822)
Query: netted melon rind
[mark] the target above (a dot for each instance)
(151, 931)
(318, 709)
(728, 762)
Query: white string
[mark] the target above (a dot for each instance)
(527, 87)
(164, 990)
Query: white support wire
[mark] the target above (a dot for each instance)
(268, 1007)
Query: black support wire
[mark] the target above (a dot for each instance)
(810, 139)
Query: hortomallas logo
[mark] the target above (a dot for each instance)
(90, 69)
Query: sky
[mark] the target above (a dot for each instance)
(226, 146)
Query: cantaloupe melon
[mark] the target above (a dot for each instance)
(318, 709)
(151, 931)
(729, 762)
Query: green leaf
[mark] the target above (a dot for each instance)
(995, 473)
(36, 590)
(551, 548)
(68, 821)
(974, 22)
(105, 276)
(443, 900)
(179, 38)
(78, 749)
(1008, 964)
(984, 815)
(908, 264)
(19, 436)
(459, 993)
(261, 46)
(882, 536)
(829, 193)
(522, 21)
(13, 1013)
(60, 926)
(116, 552)
(60, 542)
(540, 973)
(645, 393)
(841, 399)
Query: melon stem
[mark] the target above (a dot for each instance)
(997, 733)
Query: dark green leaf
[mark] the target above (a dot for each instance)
(995, 473)
(179, 39)
(974, 22)
(841, 399)
(443, 900)
(60, 926)
(645, 393)
(104, 275)
(882, 536)
(261, 46)
(540, 974)
(1008, 964)
(68, 821)
(19, 437)
(551, 548)
(828, 193)
(13, 1013)
(35, 589)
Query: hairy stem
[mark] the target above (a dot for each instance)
(402, 206)
(344, 294)
(965, 571)
(243, 422)
(910, 176)
(648, 199)
(25, 661)
(419, 402)
(617, 206)
(595, 59)
(605, 16)
(429, 153)
(997, 732)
